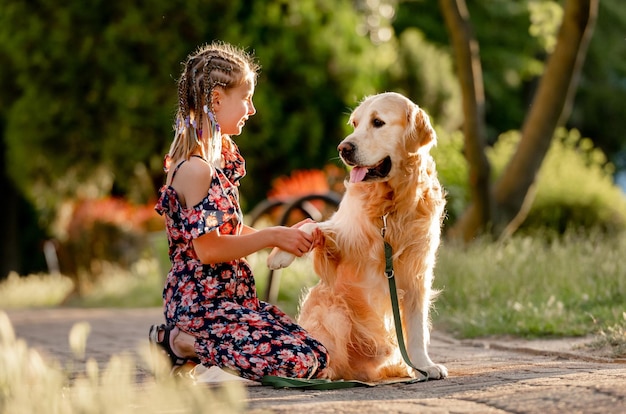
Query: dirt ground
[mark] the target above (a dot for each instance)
(492, 375)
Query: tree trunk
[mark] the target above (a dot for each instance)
(513, 193)
(551, 107)
(469, 71)
(9, 242)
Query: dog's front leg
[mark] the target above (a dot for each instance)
(279, 259)
(418, 339)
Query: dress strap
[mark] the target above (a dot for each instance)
(181, 163)
(176, 170)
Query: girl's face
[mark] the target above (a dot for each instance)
(234, 107)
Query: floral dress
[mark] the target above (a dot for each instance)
(217, 303)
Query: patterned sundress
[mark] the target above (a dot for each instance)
(218, 303)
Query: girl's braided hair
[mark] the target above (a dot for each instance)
(213, 65)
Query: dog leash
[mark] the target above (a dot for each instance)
(325, 384)
(395, 306)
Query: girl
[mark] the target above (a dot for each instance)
(212, 312)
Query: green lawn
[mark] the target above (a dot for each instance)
(527, 287)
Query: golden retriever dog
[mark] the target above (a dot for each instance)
(393, 180)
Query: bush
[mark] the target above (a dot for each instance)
(575, 187)
(452, 170)
(97, 233)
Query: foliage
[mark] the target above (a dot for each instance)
(599, 111)
(95, 232)
(529, 286)
(612, 338)
(514, 38)
(315, 68)
(90, 102)
(575, 188)
(452, 171)
(92, 94)
(511, 59)
(139, 286)
(87, 94)
(424, 73)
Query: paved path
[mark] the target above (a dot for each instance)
(485, 376)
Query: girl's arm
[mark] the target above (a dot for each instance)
(214, 247)
(192, 183)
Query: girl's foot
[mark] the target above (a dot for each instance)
(162, 338)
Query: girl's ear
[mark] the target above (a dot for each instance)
(216, 96)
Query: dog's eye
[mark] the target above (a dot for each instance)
(377, 123)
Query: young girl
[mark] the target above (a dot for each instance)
(212, 312)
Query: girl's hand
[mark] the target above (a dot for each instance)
(292, 240)
(300, 223)
(318, 235)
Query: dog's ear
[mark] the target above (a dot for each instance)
(421, 131)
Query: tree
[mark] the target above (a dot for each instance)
(91, 90)
(472, 89)
(599, 111)
(512, 194)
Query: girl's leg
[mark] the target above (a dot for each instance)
(297, 330)
(180, 342)
(259, 343)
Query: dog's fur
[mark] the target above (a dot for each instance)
(349, 310)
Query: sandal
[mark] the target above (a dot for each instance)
(176, 361)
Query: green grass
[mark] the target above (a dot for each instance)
(292, 281)
(530, 287)
(138, 287)
(527, 286)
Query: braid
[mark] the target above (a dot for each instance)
(194, 96)
(183, 107)
(207, 86)
(214, 65)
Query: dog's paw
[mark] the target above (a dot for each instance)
(436, 371)
(279, 259)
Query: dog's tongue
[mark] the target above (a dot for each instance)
(357, 174)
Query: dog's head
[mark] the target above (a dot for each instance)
(388, 129)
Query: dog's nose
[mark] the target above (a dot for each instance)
(346, 149)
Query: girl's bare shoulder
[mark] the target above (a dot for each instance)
(192, 180)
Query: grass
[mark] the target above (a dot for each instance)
(612, 340)
(531, 287)
(138, 287)
(34, 291)
(31, 384)
(527, 286)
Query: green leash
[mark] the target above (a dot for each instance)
(396, 313)
(325, 384)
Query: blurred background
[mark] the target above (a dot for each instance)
(88, 94)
